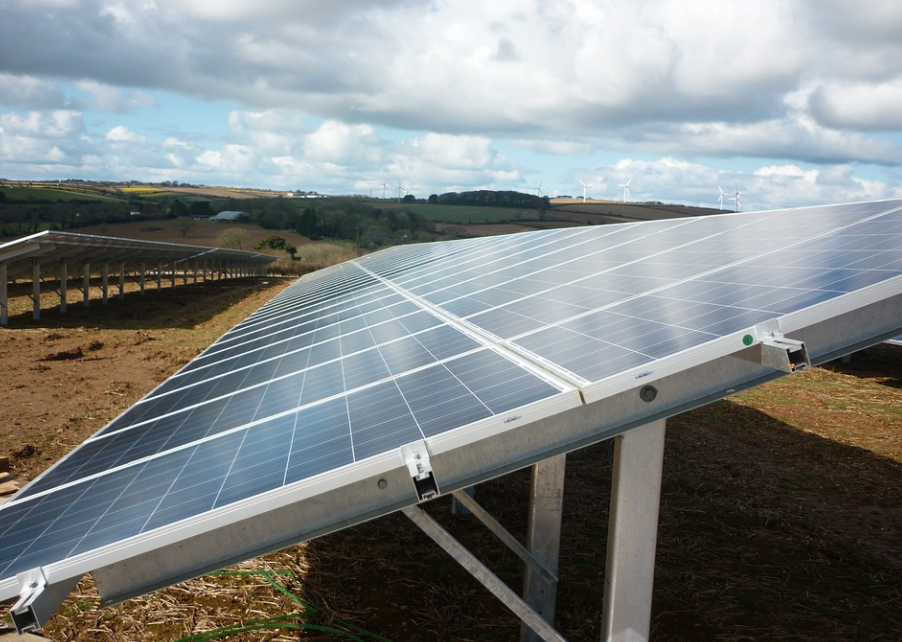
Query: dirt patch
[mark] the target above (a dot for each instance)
(780, 514)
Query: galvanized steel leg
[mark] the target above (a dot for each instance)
(4, 295)
(64, 286)
(632, 534)
(543, 538)
(122, 281)
(36, 291)
(105, 286)
(86, 285)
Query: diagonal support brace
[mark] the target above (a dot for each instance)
(482, 573)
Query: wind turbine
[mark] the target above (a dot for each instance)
(626, 188)
(539, 191)
(722, 194)
(384, 187)
(585, 186)
(736, 200)
(400, 189)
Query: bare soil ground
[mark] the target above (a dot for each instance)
(780, 513)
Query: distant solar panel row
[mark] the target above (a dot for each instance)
(51, 247)
(417, 341)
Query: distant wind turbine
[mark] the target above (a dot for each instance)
(722, 195)
(384, 187)
(539, 191)
(736, 200)
(585, 186)
(400, 189)
(626, 188)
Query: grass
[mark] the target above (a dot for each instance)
(50, 193)
(461, 214)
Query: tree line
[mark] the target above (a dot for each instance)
(333, 218)
(493, 198)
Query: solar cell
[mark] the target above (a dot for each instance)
(451, 344)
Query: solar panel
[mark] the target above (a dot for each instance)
(422, 369)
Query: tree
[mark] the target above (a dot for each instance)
(234, 238)
(177, 209)
(200, 209)
(307, 223)
(277, 243)
(185, 225)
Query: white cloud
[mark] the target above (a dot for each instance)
(121, 134)
(343, 144)
(788, 171)
(29, 92)
(554, 147)
(869, 106)
(114, 100)
(53, 124)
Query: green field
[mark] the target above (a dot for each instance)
(461, 214)
(49, 193)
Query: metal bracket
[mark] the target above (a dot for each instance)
(778, 352)
(38, 599)
(416, 457)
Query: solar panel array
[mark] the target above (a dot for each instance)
(51, 247)
(415, 342)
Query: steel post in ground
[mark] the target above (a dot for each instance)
(64, 286)
(543, 538)
(105, 282)
(36, 290)
(633, 533)
(4, 295)
(86, 285)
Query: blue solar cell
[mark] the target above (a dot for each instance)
(358, 360)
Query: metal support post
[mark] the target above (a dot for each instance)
(172, 273)
(159, 275)
(105, 282)
(36, 290)
(543, 538)
(64, 286)
(194, 270)
(86, 284)
(633, 533)
(143, 275)
(184, 272)
(457, 506)
(4, 295)
(121, 281)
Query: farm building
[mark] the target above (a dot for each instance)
(230, 215)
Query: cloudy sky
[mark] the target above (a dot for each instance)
(791, 102)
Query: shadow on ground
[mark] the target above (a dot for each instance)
(182, 306)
